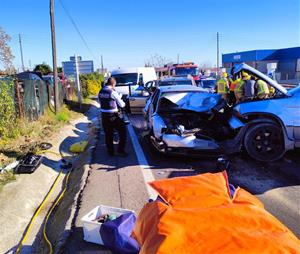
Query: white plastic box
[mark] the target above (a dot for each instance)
(91, 228)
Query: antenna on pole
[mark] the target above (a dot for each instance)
(102, 71)
(53, 40)
(21, 50)
(218, 53)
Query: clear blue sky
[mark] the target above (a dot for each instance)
(127, 32)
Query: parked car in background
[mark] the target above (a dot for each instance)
(138, 97)
(129, 79)
(186, 121)
(172, 81)
(28, 75)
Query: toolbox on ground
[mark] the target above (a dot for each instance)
(91, 227)
(29, 164)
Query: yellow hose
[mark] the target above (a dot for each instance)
(37, 213)
(42, 205)
(50, 212)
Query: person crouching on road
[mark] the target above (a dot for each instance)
(110, 100)
(223, 86)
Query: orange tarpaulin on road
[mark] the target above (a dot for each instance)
(198, 215)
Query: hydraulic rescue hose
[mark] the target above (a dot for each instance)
(27, 230)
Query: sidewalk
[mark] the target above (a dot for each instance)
(20, 199)
(113, 181)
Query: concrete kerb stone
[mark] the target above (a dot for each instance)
(76, 204)
(70, 224)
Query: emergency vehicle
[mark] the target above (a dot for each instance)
(179, 70)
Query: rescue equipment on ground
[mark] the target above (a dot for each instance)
(28, 164)
(111, 227)
(202, 214)
(78, 147)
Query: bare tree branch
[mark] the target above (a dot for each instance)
(157, 61)
(6, 56)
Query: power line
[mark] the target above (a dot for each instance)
(77, 29)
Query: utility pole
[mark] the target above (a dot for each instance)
(21, 50)
(77, 81)
(102, 64)
(177, 58)
(218, 49)
(29, 62)
(53, 40)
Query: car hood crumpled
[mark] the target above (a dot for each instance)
(198, 102)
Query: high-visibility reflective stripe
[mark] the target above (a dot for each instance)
(262, 87)
(222, 86)
(239, 86)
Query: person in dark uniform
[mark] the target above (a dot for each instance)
(110, 100)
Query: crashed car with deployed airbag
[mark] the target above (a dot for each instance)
(188, 120)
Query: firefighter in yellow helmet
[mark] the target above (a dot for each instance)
(223, 86)
(262, 89)
(239, 90)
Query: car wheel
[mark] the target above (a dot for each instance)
(264, 142)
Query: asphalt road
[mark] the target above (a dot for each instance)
(120, 182)
(276, 184)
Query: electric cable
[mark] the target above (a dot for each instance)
(77, 30)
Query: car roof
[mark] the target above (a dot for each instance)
(203, 79)
(174, 79)
(180, 88)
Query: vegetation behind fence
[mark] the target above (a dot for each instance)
(7, 107)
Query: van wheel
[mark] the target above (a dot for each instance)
(265, 142)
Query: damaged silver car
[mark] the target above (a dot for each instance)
(187, 120)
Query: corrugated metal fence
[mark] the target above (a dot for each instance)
(33, 97)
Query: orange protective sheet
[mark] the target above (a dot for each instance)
(199, 216)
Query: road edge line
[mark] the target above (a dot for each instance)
(143, 163)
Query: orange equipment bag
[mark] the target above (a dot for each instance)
(198, 216)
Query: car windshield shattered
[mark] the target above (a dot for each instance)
(190, 100)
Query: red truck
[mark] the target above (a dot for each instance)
(179, 70)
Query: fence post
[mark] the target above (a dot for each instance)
(19, 98)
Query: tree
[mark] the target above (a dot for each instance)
(59, 69)
(91, 83)
(157, 61)
(43, 68)
(6, 56)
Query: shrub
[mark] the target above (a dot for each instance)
(7, 109)
(91, 83)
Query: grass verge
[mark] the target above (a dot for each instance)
(27, 135)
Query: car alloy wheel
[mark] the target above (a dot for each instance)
(264, 142)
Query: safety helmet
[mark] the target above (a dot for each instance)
(246, 75)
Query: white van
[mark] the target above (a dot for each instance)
(129, 79)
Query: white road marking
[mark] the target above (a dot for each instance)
(145, 168)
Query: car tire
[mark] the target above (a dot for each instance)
(264, 142)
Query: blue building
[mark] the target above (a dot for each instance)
(286, 62)
(84, 67)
